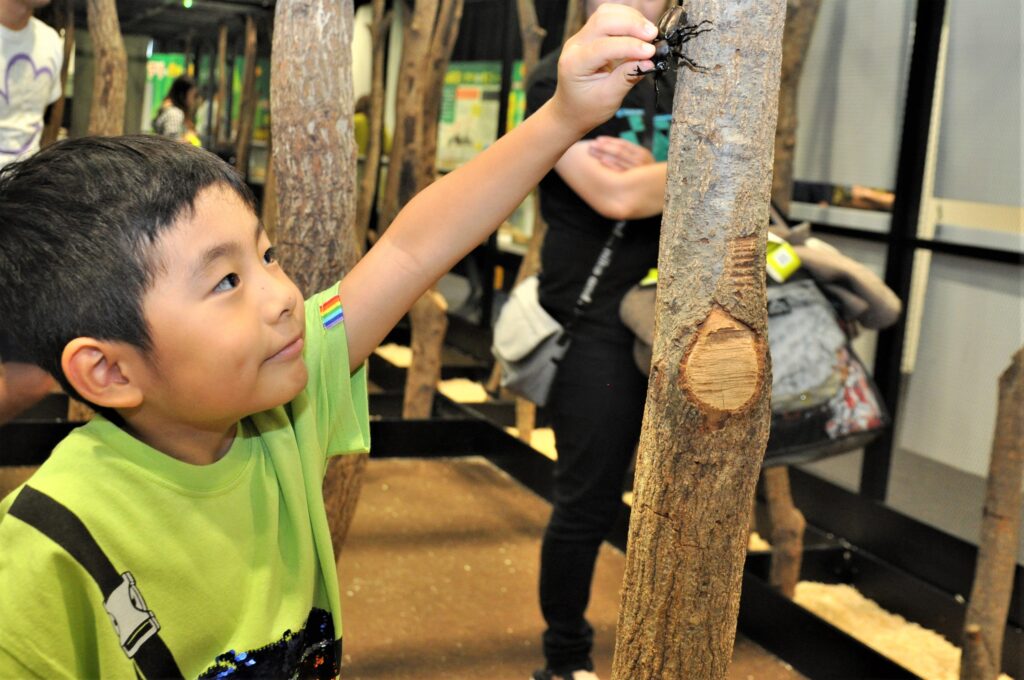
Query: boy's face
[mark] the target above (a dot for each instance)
(226, 322)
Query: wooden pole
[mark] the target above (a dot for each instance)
(404, 160)
(707, 416)
(314, 156)
(441, 45)
(375, 119)
(221, 98)
(247, 108)
(801, 16)
(106, 112)
(985, 624)
(52, 129)
(787, 522)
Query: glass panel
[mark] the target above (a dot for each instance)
(844, 470)
(971, 324)
(979, 189)
(850, 110)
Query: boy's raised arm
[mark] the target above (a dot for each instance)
(456, 213)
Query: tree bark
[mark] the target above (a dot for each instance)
(221, 100)
(247, 107)
(800, 18)
(985, 623)
(707, 416)
(429, 323)
(52, 129)
(270, 206)
(375, 119)
(314, 154)
(106, 111)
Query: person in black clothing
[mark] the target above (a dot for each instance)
(597, 400)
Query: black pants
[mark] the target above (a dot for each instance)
(596, 408)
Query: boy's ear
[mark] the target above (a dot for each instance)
(98, 370)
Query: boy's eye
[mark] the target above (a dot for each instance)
(270, 255)
(227, 283)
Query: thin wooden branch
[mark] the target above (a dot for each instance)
(221, 98)
(247, 109)
(801, 16)
(52, 129)
(371, 163)
(429, 321)
(985, 624)
(787, 535)
(441, 45)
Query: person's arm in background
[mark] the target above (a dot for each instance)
(617, 178)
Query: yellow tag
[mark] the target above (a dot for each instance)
(782, 259)
(651, 279)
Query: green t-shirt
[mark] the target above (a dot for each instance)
(231, 559)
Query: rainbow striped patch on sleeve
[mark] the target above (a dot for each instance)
(330, 313)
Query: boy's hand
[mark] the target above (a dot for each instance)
(596, 68)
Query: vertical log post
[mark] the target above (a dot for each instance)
(314, 154)
(247, 108)
(532, 36)
(787, 522)
(375, 119)
(106, 112)
(221, 98)
(707, 416)
(52, 129)
(985, 623)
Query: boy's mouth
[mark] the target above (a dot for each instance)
(289, 351)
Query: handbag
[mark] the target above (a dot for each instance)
(529, 343)
(823, 400)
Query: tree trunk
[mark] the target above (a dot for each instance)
(52, 129)
(270, 206)
(375, 119)
(247, 107)
(707, 416)
(404, 161)
(575, 17)
(314, 154)
(985, 623)
(800, 18)
(532, 36)
(221, 100)
(106, 111)
(787, 533)
(441, 45)
(429, 324)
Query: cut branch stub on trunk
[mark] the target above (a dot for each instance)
(314, 156)
(707, 415)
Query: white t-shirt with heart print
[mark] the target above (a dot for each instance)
(30, 62)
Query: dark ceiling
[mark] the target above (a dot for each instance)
(176, 27)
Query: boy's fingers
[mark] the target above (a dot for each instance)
(604, 53)
(615, 19)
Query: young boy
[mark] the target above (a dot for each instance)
(182, 532)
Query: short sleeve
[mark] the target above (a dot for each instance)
(340, 398)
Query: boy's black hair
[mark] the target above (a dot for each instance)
(78, 222)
